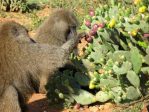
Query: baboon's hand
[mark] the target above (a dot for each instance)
(82, 34)
(42, 90)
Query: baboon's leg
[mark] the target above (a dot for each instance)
(9, 101)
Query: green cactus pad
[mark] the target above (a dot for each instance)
(102, 96)
(133, 78)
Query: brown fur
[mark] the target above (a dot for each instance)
(56, 28)
(23, 63)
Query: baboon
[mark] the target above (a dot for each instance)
(23, 63)
(55, 30)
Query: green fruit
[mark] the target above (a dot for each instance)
(117, 63)
(122, 57)
(111, 95)
(56, 91)
(122, 19)
(94, 80)
(101, 60)
(100, 29)
(61, 95)
(118, 99)
(107, 18)
(124, 96)
(137, 22)
(128, 12)
(97, 86)
(105, 6)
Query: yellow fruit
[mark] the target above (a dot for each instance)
(137, 1)
(133, 33)
(91, 85)
(142, 9)
(112, 23)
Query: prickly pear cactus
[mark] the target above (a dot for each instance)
(114, 63)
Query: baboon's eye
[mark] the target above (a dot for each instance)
(70, 32)
(67, 34)
(74, 27)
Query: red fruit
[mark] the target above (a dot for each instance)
(87, 23)
(101, 25)
(77, 106)
(93, 32)
(146, 35)
(92, 13)
(89, 39)
(95, 27)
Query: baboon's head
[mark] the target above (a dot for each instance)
(11, 29)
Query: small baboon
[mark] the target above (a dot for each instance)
(23, 63)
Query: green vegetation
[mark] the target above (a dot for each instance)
(114, 65)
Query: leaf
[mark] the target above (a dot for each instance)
(132, 93)
(147, 50)
(96, 56)
(146, 58)
(133, 78)
(105, 35)
(114, 12)
(126, 66)
(111, 82)
(102, 96)
(117, 89)
(144, 26)
(83, 97)
(130, 27)
(82, 79)
(119, 53)
(145, 70)
(102, 48)
(84, 27)
(136, 59)
(90, 66)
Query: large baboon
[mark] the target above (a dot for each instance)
(23, 63)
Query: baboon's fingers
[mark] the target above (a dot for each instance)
(9, 101)
(82, 34)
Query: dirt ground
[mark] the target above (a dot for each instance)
(39, 102)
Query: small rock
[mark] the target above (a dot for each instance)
(101, 107)
(108, 106)
(77, 106)
(94, 109)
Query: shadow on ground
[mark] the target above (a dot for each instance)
(39, 103)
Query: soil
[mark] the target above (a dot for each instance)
(39, 103)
